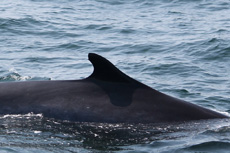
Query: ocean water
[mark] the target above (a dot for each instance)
(179, 47)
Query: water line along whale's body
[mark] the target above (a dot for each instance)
(107, 95)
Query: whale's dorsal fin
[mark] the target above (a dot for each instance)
(104, 70)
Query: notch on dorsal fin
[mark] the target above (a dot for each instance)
(104, 70)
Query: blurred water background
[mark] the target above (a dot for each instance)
(179, 47)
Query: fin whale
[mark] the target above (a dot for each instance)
(107, 95)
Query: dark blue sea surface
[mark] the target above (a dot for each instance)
(179, 47)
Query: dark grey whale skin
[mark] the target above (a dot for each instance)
(107, 96)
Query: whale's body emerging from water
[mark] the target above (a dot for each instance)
(107, 95)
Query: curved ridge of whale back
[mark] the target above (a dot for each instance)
(104, 70)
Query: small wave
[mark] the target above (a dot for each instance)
(13, 75)
(222, 130)
(211, 49)
(213, 146)
(45, 59)
(70, 46)
(21, 22)
(21, 115)
(127, 31)
(112, 2)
